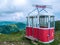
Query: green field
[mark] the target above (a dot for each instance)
(19, 39)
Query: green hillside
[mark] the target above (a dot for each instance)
(9, 27)
(57, 25)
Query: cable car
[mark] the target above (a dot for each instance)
(41, 27)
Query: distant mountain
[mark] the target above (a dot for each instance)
(10, 22)
(9, 27)
(21, 25)
(6, 22)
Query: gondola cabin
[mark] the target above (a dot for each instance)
(40, 27)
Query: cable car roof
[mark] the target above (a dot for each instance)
(35, 16)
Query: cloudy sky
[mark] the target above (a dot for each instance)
(17, 10)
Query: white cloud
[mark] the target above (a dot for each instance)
(19, 2)
(18, 15)
(11, 10)
(12, 5)
(18, 9)
(13, 17)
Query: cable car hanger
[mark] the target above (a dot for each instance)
(40, 6)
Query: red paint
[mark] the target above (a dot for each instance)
(51, 34)
(28, 31)
(42, 34)
(40, 6)
(35, 32)
(46, 35)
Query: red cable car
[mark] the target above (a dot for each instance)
(40, 27)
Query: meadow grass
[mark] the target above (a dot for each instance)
(19, 37)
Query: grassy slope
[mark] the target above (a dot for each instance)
(16, 38)
(19, 37)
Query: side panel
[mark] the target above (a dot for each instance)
(35, 32)
(27, 31)
(51, 34)
(30, 31)
(46, 35)
(43, 35)
(40, 35)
